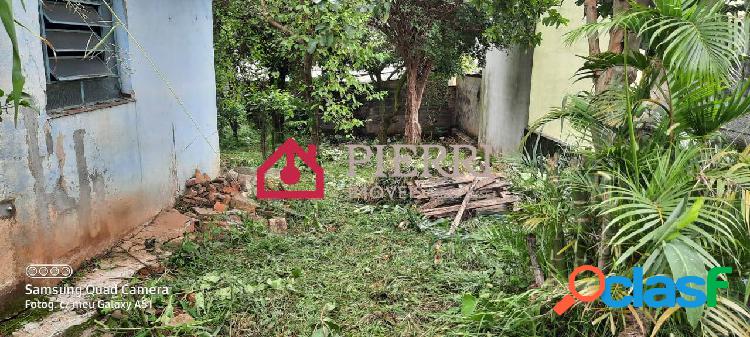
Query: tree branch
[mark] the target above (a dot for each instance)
(271, 21)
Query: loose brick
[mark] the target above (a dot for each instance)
(230, 190)
(200, 211)
(191, 182)
(219, 207)
(243, 203)
(277, 225)
(199, 178)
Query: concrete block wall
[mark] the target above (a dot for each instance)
(436, 115)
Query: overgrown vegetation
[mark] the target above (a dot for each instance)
(650, 182)
(655, 185)
(343, 269)
(308, 58)
(16, 98)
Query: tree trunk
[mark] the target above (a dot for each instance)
(307, 66)
(592, 15)
(277, 116)
(417, 76)
(535, 269)
(616, 45)
(260, 121)
(616, 38)
(234, 124)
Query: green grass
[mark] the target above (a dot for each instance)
(343, 269)
(24, 316)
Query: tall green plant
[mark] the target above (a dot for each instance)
(16, 96)
(668, 197)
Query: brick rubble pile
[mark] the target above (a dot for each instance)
(206, 196)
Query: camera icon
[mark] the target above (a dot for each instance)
(49, 271)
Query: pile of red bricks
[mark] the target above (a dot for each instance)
(204, 192)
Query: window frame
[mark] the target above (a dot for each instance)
(111, 54)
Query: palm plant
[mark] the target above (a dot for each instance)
(669, 201)
(666, 221)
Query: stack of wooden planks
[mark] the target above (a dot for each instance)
(454, 196)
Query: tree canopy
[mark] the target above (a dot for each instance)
(435, 35)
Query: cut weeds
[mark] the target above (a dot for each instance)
(342, 269)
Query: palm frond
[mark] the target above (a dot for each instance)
(692, 38)
(593, 65)
(728, 318)
(631, 20)
(665, 205)
(704, 109)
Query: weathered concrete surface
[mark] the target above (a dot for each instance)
(506, 84)
(82, 181)
(114, 270)
(468, 104)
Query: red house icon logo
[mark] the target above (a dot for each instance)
(290, 174)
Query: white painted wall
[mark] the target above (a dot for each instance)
(135, 156)
(555, 65)
(506, 84)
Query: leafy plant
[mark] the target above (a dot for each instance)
(16, 97)
(661, 186)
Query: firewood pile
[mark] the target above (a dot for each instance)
(453, 197)
(206, 196)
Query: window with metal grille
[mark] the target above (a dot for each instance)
(79, 53)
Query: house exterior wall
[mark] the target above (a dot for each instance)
(555, 64)
(82, 181)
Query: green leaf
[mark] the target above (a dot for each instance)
(320, 332)
(211, 278)
(277, 284)
(311, 46)
(6, 16)
(683, 221)
(224, 293)
(328, 307)
(468, 305)
(200, 301)
(685, 261)
(168, 312)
